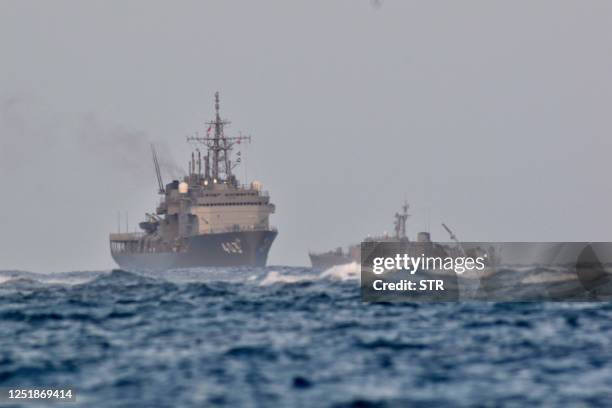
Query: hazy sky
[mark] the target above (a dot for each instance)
(492, 116)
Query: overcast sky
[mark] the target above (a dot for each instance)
(492, 116)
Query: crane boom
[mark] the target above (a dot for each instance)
(453, 237)
(162, 190)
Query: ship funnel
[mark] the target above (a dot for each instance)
(183, 188)
(423, 237)
(256, 185)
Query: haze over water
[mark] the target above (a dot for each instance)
(490, 116)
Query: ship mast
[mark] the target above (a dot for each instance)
(400, 222)
(219, 147)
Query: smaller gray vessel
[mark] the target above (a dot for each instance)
(325, 260)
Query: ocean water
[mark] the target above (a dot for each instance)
(296, 337)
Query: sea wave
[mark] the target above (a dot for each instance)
(188, 338)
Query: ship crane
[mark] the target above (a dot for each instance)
(162, 190)
(453, 237)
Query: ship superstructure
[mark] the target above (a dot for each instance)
(339, 256)
(206, 219)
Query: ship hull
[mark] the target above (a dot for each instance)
(329, 260)
(392, 247)
(243, 248)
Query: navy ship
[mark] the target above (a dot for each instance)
(325, 260)
(399, 242)
(206, 219)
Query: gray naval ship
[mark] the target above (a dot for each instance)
(398, 242)
(207, 219)
(324, 260)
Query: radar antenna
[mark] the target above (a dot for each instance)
(162, 190)
(220, 146)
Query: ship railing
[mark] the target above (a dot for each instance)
(161, 202)
(126, 236)
(243, 228)
(263, 193)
